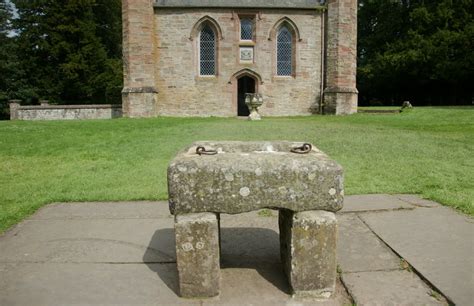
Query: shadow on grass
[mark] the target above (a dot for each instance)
(241, 248)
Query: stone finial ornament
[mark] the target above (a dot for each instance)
(253, 102)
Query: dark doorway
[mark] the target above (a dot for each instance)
(245, 85)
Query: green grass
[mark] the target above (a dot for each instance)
(429, 151)
(383, 108)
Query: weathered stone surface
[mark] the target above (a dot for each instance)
(340, 95)
(184, 93)
(139, 104)
(288, 4)
(139, 55)
(65, 112)
(14, 106)
(438, 242)
(87, 240)
(416, 200)
(104, 210)
(161, 50)
(246, 176)
(358, 249)
(389, 288)
(373, 202)
(197, 254)
(308, 251)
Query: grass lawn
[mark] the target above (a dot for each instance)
(428, 151)
(378, 108)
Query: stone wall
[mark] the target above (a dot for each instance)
(64, 112)
(340, 94)
(184, 93)
(161, 58)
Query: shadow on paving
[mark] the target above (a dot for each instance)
(248, 248)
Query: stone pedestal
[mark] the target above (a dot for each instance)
(253, 102)
(237, 177)
(197, 254)
(308, 251)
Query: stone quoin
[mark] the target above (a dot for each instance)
(200, 57)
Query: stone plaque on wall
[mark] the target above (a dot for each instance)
(246, 54)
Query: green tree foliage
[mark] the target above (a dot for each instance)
(416, 50)
(7, 57)
(5, 17)
(67, 50)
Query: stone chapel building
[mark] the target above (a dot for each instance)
(200, 57)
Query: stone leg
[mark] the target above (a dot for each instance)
(219, 233)
(308, 251)
(197, 254)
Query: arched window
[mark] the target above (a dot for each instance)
(246, 29)
(284, 51)
(207, 51)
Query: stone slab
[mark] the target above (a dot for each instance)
(90, 240)
(139, 284)
(246, 176)
(267, 286)
(87, 284)
(245, 237)
(104, 210)
(358, 249)
(389, 288)
(373, 202)
(262, 218)
(437, 242)
(416, 200)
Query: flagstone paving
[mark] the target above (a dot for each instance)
(123, 253)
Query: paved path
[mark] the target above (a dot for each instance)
(123, 253)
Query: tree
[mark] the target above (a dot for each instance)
(417, 50)
(7, 57)
(65, 58)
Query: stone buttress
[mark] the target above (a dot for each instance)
(340, 93)
(139, 92)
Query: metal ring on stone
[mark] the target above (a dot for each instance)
(304, 149)
(202, 151)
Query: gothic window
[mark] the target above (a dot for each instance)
(207, 51)
(246, 29)
(284, 52)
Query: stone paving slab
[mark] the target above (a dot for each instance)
(389, 288)
(416, 200)
(373, 202)
(87, 260)
(86, 284)
(358, 249)
(134, 284)
(90, 240)
(104, 210)
(99, 253)
(437, 242)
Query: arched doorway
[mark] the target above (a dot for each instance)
(245, 85)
